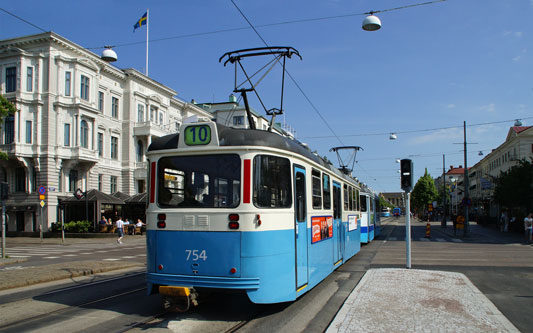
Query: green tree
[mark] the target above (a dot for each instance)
(6, 109)
(424, 193)
(514, 188)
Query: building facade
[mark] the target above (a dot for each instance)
(81, 124)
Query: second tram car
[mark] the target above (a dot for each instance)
(246, 210)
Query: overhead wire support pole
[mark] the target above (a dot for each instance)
(467, 185)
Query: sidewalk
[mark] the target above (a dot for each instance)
(410, 300)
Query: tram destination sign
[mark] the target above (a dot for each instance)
(197, 135)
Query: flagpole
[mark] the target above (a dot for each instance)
(147, 28)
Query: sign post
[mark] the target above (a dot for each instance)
(42, 196)
(4, 191)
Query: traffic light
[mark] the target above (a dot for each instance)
(406, 169)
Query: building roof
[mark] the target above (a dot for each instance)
(519, 129)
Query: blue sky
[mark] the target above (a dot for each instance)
(431, 66)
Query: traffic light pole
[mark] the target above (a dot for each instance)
(408, 229)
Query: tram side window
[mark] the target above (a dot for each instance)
(272, 182)
(363, 203)
(346, 197)
(199, 181)
(357, 198)
(326, 191)
(317, 190)
(352, 207)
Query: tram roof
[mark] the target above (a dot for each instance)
(235, 137)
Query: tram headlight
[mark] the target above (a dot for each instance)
(161, 223)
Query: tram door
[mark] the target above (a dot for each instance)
(300, 226)
(338, 234)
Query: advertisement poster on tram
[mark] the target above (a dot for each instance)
(322, 228)
(352, 222)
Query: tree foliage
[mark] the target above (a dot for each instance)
(424, 192)
(6, 108)
(514, 188)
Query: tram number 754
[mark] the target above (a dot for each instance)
(196, 255)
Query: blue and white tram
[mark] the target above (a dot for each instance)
(367, 217)
(377, 215)
(245, 210)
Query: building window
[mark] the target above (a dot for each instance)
(238, 120)
(114, 107)
(153, 114)
(100, 101)
(161, 118)
(67, 135)
(67, 83)
(113, 180)
(9, 130)
(100, 144)
(177, 127)
(140, 113)
(29, 79)
(140, 151)
(140, 185)
(72, 180)
(11, 79)
(60, 181)
(84, 134)
(100, 182)
(28, 131)
(84, 87)
(20, 180)
(114, 147)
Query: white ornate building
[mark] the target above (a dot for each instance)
(81, 123)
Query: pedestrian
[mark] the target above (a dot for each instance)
(528, 224)
(504, 222)
(120, 229)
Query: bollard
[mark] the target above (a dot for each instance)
(428, 230)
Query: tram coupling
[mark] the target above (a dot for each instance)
(178, 299)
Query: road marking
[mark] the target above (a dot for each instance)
(70, 255)
(128, 257)
(141, 255)
(392, 238)
(51, 257)
(112, 259)
(457, 240)
(424, 239)
(11, 256)
(441, 240)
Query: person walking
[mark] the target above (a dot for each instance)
(120, 229)
(528, 225)
(504, 222)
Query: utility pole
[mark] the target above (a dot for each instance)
(466, 200)
(443, 224)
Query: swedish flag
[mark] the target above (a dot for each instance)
(142, 21)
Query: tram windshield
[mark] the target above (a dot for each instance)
(205, 181)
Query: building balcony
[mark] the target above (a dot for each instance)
(79, 153)
(141, 169)
(20, 149)
(149, 128)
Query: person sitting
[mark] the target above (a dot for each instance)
(102, 224)
(139, 226)
(189, 199)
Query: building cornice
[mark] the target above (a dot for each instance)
(136, 75)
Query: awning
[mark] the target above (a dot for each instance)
(137, 199)
(95, 195)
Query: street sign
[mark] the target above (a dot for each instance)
(42, 203)
(41, 197)
(42, 190)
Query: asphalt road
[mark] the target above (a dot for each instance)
(498, 264)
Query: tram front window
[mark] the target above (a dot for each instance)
(208, 181)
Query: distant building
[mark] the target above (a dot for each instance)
(82, 123)
(395, 198)
(518, 145)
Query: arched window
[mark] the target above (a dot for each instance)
(84, 138)
(140, 151)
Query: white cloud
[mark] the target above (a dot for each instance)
(488, 108)
(515, 34)
(452, 106)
